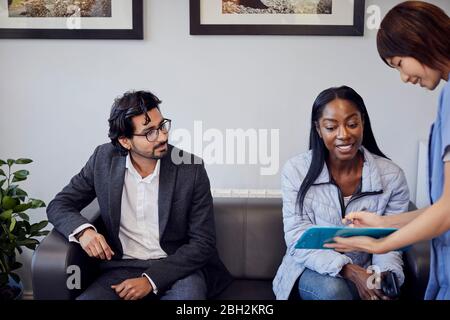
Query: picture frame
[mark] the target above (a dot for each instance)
(124, 20)
(207, 18)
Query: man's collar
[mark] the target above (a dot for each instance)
(129, 166)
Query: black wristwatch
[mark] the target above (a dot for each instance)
(79, 234)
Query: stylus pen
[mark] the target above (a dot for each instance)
(349, 222)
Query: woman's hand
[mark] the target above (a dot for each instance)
(362, 219)
(359, 244)
(362, 281)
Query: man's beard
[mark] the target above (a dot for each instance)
(162, 154)
(153, 154)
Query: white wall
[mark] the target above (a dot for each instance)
(55, 95)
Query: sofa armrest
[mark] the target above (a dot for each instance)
(52, 279)
(417, 270)
(51, 276)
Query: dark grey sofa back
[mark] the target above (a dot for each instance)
(250, 237)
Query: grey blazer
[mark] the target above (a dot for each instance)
(186, 217)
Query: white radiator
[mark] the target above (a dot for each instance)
(246, 193)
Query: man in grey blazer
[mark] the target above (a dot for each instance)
(155, 236)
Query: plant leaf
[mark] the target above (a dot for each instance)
(2, 162)
(36, 203)
(21, 173)
(11, 190)
(20, 194)
(3, 279)
(10, 162)
(2, 173)
(15, 276)
(27, 242)
(24, 216)
(22, 207)
(2, 182)
(6, 215)
(42, 233)
(17, 265)
(27, 226)
(9, 203)
(24, 161)
(16, 179)
(12, 225)
(38, 226)
(4, 228)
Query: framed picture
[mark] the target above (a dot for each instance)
(277, 17)
(71, 19)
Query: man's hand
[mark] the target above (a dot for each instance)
(133, 289)
(360, 277)
(362, 219)
(95, 244)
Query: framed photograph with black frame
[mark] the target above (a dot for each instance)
(71, 19)
(277, 17)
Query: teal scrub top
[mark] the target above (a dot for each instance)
(439, 281)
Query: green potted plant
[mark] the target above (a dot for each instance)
(15, 229)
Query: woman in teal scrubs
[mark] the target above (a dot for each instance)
(414, 38)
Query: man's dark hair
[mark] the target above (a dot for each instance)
(131, 104)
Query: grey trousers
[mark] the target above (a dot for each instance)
(192, 287)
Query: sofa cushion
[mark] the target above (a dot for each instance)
(248, 290)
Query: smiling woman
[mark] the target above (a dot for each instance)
(340, 125)
(414, 72)
(413, 37)
(343, 171)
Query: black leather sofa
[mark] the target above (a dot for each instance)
(250, 242)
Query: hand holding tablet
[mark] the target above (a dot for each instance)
(316, 237)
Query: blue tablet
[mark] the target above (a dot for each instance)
(316, 237)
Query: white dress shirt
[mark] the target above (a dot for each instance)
(139, 220)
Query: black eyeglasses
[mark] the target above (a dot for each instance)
(152, 134)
